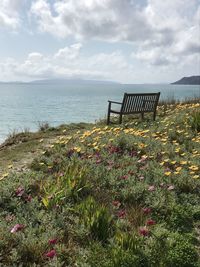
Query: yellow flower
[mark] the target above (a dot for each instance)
(77, 149)
(183, 162)
(173, 162)
(4, 175)
(178, 169)
(167, 173)
(196, 176)
(142, 145)
(194, 168)
(166, 160)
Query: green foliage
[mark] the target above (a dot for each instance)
(125, 258)
(181, 252)
(181, 218)
(194, 121)
(128, 251)
(96, 219)
(73, 183)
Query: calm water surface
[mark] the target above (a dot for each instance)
(25, 105)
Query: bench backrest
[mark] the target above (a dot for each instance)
(139, 102)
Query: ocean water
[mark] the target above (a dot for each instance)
(24, 106)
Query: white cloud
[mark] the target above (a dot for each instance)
(71, 52)
(101, 66)
(101, 19)
(67, 62)
(163, 34)
(9, 13)
(177, 38)
(164, 31)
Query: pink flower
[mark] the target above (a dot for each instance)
(162, 185)
(52, 241)
(131, 172)
(143, 159)
(116, 203)
(28, 198)
(51, 254)
(144, 167)
(151, 188)
(141, 178)
(133, 153)
(146, 210)
(20, 191)
(144, 231)
(171, 187)
(124, 177)
(150, 222)
(17, 228)
(121, 214)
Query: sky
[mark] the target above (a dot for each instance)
(128, 41)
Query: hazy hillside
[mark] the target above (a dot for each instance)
(192, 80)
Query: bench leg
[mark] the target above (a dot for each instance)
(154, 115)
(120, 118)
(142, 115)
(108, 118)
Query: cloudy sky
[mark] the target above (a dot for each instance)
(130, 41)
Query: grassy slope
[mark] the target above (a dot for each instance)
(112, 196)
(20, 149)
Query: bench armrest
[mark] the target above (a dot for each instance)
(114, 102)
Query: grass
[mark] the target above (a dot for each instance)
(20, 148)
(93, 195)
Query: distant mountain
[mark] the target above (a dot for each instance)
(62, 81)
(192, 80)
(71, 81)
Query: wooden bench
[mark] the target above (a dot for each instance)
(134, 104)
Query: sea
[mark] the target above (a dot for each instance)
(24, 106)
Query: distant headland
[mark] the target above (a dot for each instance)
(62, 81)
(192, 80)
